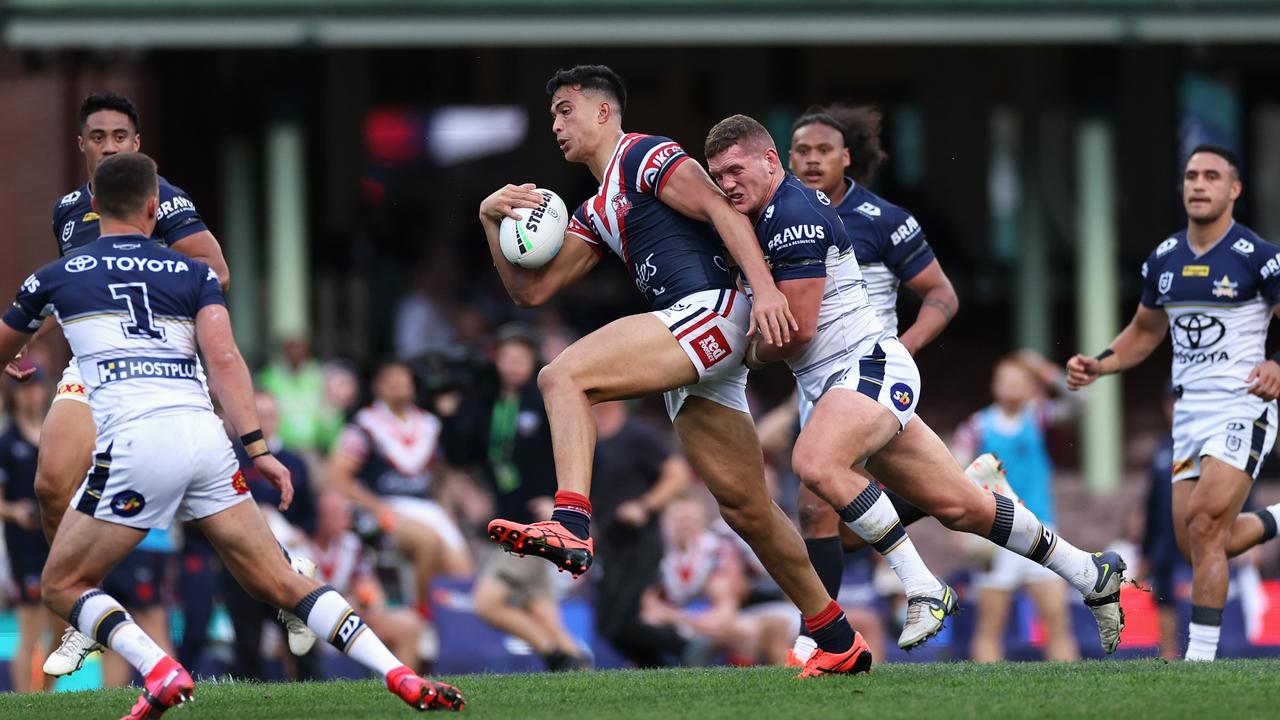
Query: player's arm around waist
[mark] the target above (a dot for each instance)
(203, 246)
(804, 297)
(531, 287)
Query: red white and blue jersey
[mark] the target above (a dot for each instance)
(890, 245)
(127, 306)
(684, 572)
(802, 236)
(396, 455)
(1219, 305)
(669, 255)
(75, 224)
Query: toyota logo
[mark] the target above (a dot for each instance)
(1197, 331)
(80, 263)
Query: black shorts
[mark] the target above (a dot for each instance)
(26, 563)
(138, 581)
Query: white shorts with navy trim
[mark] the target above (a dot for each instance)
(711, 327)
(883, 370)
(1239, 431)
(150, 472)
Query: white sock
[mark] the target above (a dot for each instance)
(330, 616)
(1202, 635)
(1019, 530)
(1202, 642)
(804, 647)
(99, 616)
(873, 518)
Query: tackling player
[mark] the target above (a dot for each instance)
(136, 314)
(1216, 284)
(865, 387)
(891, 250)
(656, 211)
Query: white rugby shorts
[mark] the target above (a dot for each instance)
(711, 327)
(1239, 431)
(882, 370)
(71, 385)
(150, 472)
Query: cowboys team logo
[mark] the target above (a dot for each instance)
(80, 263)
(1224, 288)
(901, 396)
(1165, 283)
(127, 503)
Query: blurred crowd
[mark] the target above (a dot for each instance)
(397, 468)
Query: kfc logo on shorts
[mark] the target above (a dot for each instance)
(901, 396)
(711, 347)
(239, 484)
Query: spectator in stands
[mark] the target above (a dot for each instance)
(386, 462)
(24, 541)
(703, 586)
(342, 562)
(506, 435)
(1014, 428)
(296, 379)
(422, 322)
(637, 473)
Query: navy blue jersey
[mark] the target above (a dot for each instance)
(890, 244)
(127, 306)
(1219, 305)
(75, 224)
(669, 255)
(803, 237)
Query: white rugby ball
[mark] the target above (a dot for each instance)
(536, 237)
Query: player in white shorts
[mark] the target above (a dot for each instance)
(1214, 286)
(661, 214)
(865, 388)
(136, 314)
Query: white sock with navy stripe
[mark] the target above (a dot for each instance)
(99, 616)
(330, 616)
(872, 517)
(1019, 530)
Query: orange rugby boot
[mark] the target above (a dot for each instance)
(857, 659)
(549, 540)
(167, 685)
(421, 693)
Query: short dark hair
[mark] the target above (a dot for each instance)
(601, 78)
(122, 184)
(860, 126)
(732, 131)
(1223, 152)
(109, 101)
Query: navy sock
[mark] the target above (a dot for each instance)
(907, 513)
(573, 511)
(830, 630)
(827, 557)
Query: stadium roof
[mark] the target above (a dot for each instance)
(405, 23)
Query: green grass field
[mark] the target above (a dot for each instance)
(947, 691)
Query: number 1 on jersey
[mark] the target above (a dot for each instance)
(140, 325)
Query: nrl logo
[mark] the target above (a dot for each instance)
(1224, 288)
(1165, 283)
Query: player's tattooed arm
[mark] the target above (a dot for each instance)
(203, 246)
(939, 306)
(531, 287)
(1141, 336)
